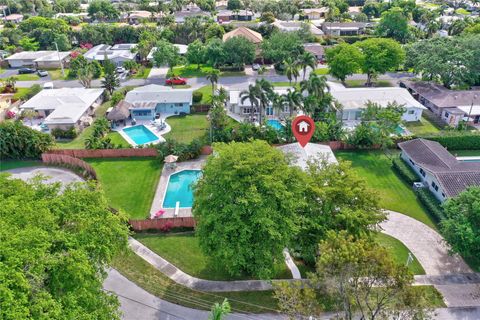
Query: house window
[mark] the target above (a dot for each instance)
(269, 111)
(246, 110)
(447, 114)
(411, 111)
(422, 172)
(179, 104)
(413, 163)
(434, 186)
(286, 109)
(443, 194)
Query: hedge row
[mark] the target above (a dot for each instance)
(457, 140)
(404, 171)
(430, 203)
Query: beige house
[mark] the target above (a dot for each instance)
(315, 13)
(246, 33)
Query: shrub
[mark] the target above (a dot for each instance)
(232, 68)
(404, 171)
(197, 96)
(184, 151)
(457, 140)
(430, 203)
(70, 133)
(20, 142)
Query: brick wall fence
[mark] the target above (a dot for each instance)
(162, 224)
(106, 153)
(67, 161)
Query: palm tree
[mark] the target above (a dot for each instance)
(315, 85)
(265, 93)
(291, 69)
(252, 95)
(220, 310)
(213, 76)
(307, 59)
(293, 100)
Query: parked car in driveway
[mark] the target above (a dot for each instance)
(42, 73)
(176, 81)
(255, 67)
(26, 70)
(120, 70)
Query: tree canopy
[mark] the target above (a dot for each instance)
(56, 246)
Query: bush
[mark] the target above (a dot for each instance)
(21, 142)
(231, 68)
(70, 133)
(197, 96)
(457, 140)
(184, 151)
(430, 203)
(404, 171)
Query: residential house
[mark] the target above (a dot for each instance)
(136, 17)
(182, 50)
(117, 54)
(242, 110)
(149, 100)
(14, 18)
(180, 16)
(354, 101)
(451, 106)
(39, 59)
(246, 33)
(314, 13)
(292, 26)
(344, 28)
(221, 5)
(316, 49)
(311, 152)
(66, 107)
(83, 16)
(443, 174)
(239, 15)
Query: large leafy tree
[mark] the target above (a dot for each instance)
(102, 10)
(461, 227)
(337, 200)
(381, 55)
(282, 45)
(110, 81)
(394, 24)
(21, 142)
(56, 246)
(245, 207)
(196, 53)
(166, 54)
(238, 51)
(344, 60)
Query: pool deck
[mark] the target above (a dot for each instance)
(196, 164)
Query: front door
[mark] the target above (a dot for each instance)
(269, 111)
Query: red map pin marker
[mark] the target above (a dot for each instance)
(303, 128)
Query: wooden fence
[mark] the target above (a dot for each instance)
(106, 153)
(162, 224)
(70, 162)
(196, 108)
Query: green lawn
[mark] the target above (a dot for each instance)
(462, 11)
(322, 71)
(56, 74)
(13, 164)
(183, 250)
(399, 252)
(146, 276)
(361, 83)
(192, 71)
(391, 191)
(206, 94)
(142, 73)
(117, 139)
(466, 153)
(27, 77)
(20, 92)
(424, 126)
(129, 183)
(187, 128)
(78, 142)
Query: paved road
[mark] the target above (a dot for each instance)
(52, 174)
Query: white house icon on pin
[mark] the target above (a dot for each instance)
(303, 126)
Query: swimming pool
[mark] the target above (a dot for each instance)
(470, 160)
(275, 124)
(140, 134)
(179, 188)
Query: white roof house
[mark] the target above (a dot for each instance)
(182, 50)
(354, 100)
(292, 26)
(312, 151)
(118, 53)
(65, 106)
(36, 58)
(235, 99)
(150, 95)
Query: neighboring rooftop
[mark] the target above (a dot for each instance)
(443, 97)
(345, 25)
(235, 95)
(120, 50)
(453, 175)
(316, 48)
(150, 95)
(69, 104)
(357, 98)
(38, 55)
(247, 33)
(295, 26)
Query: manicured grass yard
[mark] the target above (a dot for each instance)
(424, 126)
(206, 94)
(78, 142)
(192, 71)
(20, 92)
(466, 153)
(322, 71)
(183, 250)
(400, 252)
(142, 73)
(13, 164)
(375, 167)
(187, 128)
(117, 139)
(56, 74)
(129, 183)
(27, 77)
(361, 83)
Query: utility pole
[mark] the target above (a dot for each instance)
(60, 60)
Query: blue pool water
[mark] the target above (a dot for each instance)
(180, 188)
(275, 124)
(140, 134)
(470, 160)
(400, 131)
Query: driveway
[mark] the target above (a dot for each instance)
(52, 174)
